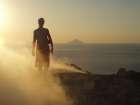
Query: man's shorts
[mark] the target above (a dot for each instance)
(42, 57)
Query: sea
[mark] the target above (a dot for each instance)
(100, 58)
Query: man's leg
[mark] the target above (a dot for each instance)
(40, 67)
(47, 62)
(39, 61)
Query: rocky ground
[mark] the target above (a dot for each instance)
(122, 88)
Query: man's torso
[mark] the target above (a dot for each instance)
(41, 35)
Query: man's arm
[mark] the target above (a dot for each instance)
(50, 41)
(34, 44)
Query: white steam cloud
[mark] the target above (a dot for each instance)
(22, 84)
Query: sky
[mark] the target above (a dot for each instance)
(92, 21)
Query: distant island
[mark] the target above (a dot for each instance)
(76, 42)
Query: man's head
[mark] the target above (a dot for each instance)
(41, 22)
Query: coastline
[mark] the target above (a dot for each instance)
(122, 88)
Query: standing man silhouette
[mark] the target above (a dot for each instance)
(42, 46)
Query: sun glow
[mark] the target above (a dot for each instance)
(2, 15)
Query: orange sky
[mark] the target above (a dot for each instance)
(93, 21)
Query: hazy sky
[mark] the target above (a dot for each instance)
(97, 21)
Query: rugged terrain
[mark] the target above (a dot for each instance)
(122, 88)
